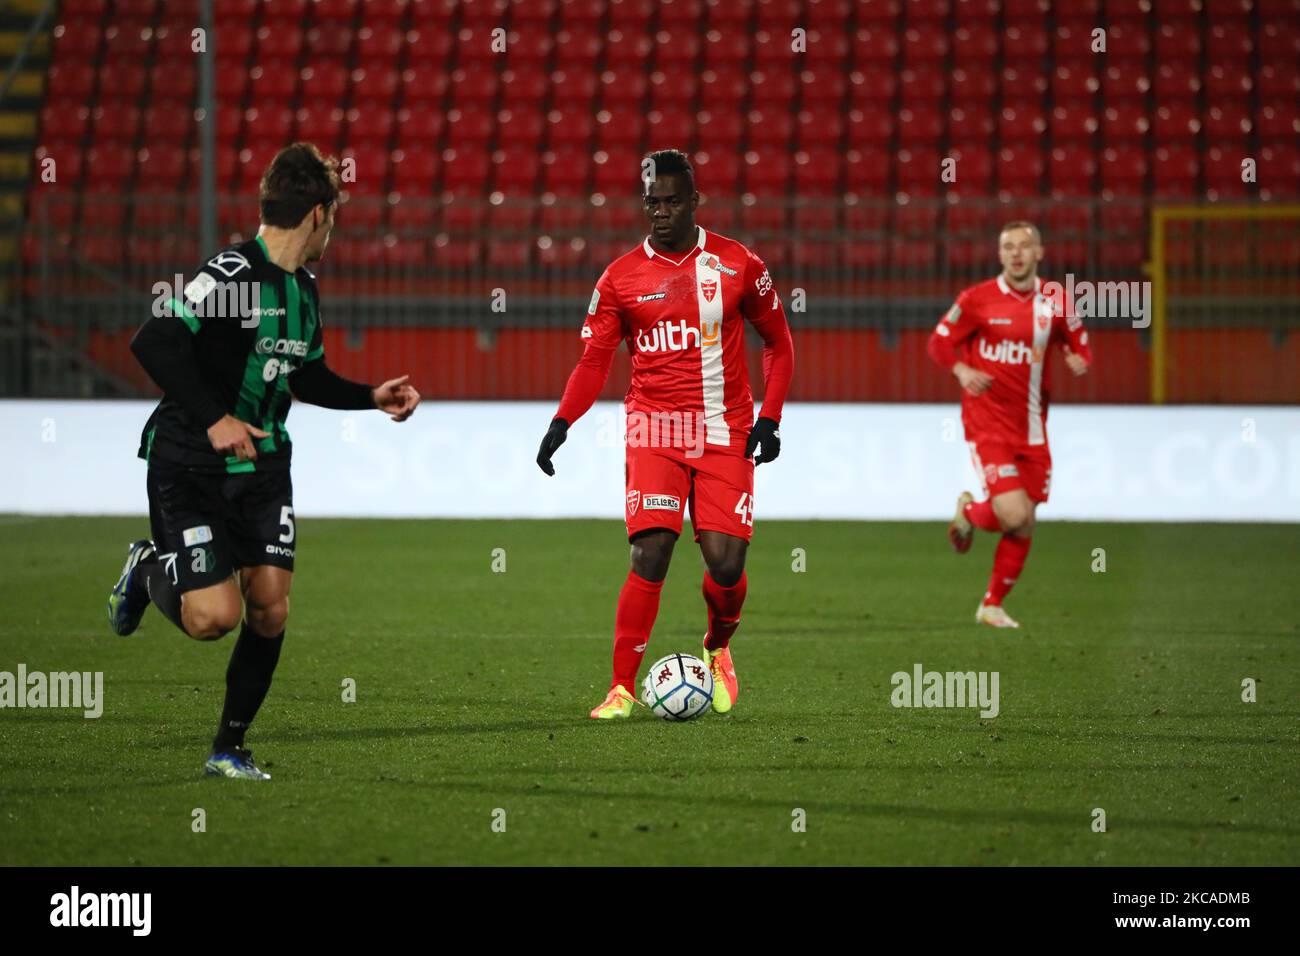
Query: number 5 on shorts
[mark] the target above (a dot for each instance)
(286, 521)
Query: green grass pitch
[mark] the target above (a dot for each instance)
(1122, 691)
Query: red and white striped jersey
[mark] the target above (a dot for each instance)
(682, 319)
(1006, 333)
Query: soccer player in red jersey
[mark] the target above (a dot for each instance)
(679, 300)
(995, 341)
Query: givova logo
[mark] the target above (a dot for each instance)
(74, 909)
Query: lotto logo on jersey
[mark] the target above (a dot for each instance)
(1006, 352)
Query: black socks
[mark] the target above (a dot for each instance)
(248, 678)
(162, 592)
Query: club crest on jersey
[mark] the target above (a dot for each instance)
(228, 263)
(711, 261)
(633, 499)
(708, 289)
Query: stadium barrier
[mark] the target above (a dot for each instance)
(838, 461)
(482, 299)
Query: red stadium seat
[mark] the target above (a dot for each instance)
(773, 88)
(872, 86)
(871, 126)
(722, 130)
(1119, 83)
(125, 81)
(127, 43)
(1177, 122)
(1126, 43)
(1074, 82)
(574, 126)
(336, 11)
(822, 87)
(375, 87)
(1178, 40)
(923, 86)
(676, 49)
(623, 88)
(973, 169)
(1074, 122)
(768, 175)
(270, 122)
(628, 47)
(1278, 122)
(169, 84)
(162, 166)
(1176, 81)
(1227, 82)
(323, 125)
(1020, 171)
(468, 127)
(817, 172)
(770, 127)
(369, 128)
(718, 173)
(523, 128)
(110, 165)
(675, 127)
(921, 125)
(415, 172)
(1277, 80)
(1123, 170)
(274, 84)
(77, 42)
(278, 44)
(1072, 45)
(429, 47)
(974, 46)
(1279, 40)
(918, 171)
(875, 47)
(867, 170)
(1126, 123)
(424, 85)
(524, 87)
(616, 171)
(1174, 171)
(64, 125)
(1023, 124)
(475, 86)
(379, 47)
(1228, 121)
(1026, 41)
(971, 123)
(531, 47)
(70, 81)
(620, 133)
(565, 172)
(818, 127)
(923, 49)
(974, 86)
(672, 91)
(632, 14)
(1231, 42)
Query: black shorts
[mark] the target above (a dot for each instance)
(205, 526)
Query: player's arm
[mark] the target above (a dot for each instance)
(1078, 352)
(164, 347)
(762, 307)
(317, 384)
(602, 332)
(957, 325)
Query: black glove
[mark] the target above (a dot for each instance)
(555, 436)
(765, 432)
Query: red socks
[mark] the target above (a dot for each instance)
(980, 514)
(638, 606)
(1008, 560)
(724, 609)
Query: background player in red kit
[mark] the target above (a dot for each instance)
(995, 340)
(679, 300)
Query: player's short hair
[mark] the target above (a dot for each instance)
(1023, 224)
(667, 162)
(298, 179)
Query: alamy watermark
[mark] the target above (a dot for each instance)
(922, 688)
(1129, 300)
(78, 690)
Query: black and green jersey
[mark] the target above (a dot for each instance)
(252, 324)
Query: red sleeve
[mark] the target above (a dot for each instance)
(1069, 328)
(957, 325)
(762, 306)
(603, 331)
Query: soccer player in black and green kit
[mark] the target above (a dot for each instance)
(220, 498)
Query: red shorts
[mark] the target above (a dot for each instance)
(662, 483)
(1002, 468)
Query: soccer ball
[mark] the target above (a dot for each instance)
(678, 687)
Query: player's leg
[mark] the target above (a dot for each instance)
(657, 484)
(186, 570)
(972, 514)
(1015, 509)
(722, 513)
(263, 533)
